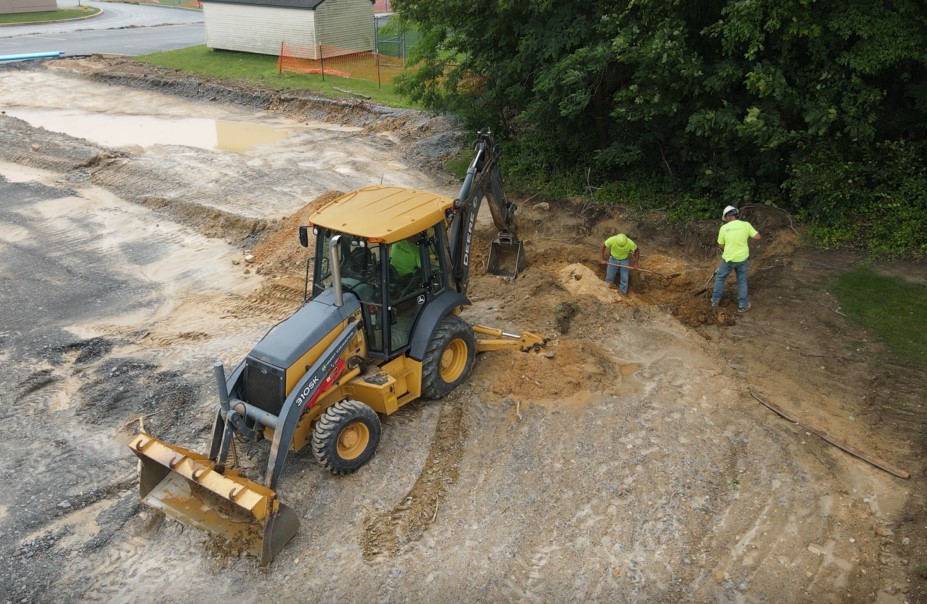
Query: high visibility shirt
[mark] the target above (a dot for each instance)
(620, 252)
(405, 257)
(735, 236)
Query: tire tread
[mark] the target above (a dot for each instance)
(329, 425)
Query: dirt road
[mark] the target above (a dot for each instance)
(634, 465)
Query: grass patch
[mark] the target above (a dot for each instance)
(894, 309)
(50, 15)
(191, 4)
(921, 570)
(458, 165)
(262, 70)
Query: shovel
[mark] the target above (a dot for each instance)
(643, 270)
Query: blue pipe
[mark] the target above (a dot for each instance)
(32, 55)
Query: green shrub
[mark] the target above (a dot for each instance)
(877, 202)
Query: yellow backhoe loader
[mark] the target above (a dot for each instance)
(379, 329)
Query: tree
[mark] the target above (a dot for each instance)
(739, 100)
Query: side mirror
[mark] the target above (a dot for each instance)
(304, 236)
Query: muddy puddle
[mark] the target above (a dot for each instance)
(261, 164)
(146, 131)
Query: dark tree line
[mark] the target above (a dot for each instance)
(820, 107)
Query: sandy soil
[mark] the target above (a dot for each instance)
(636, 464)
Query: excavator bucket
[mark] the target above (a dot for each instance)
(506, 256)
(186, 486)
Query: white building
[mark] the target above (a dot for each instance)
(261, 26)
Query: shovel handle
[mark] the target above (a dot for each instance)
(634, 268)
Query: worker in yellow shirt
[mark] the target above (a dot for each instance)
(619, 252)
(734, 238)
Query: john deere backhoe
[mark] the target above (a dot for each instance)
(380, 328)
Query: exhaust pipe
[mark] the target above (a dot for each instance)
(221, 386)
(335, 249)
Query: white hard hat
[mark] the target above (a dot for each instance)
(729, 210)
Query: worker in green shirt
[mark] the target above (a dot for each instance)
(405, 257)
(619, 252)
(734, 238)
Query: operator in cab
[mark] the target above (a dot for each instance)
(404, 256)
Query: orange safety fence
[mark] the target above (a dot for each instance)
(326, 59)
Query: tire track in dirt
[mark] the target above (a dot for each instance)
(274, 301)
(389, 533)
(529, 581)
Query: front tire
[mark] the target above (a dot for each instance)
(346, 436)
(449, 357)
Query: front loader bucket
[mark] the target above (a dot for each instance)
(506, 256)
(186, 486)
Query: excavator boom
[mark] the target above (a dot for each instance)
(483, 179)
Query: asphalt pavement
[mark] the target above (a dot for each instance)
(121, 29)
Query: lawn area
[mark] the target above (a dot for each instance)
(51, 15)
(193, 4)
(894, 309)
(262, 70)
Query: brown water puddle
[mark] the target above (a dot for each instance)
(145, 131)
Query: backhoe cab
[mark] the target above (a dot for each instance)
(380, 328)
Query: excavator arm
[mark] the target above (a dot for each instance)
(483, 180)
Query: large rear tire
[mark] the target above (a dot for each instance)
(449, 357)
(346, 436)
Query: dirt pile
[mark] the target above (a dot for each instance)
(280, 252)
(575, 371)
(580, 280)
